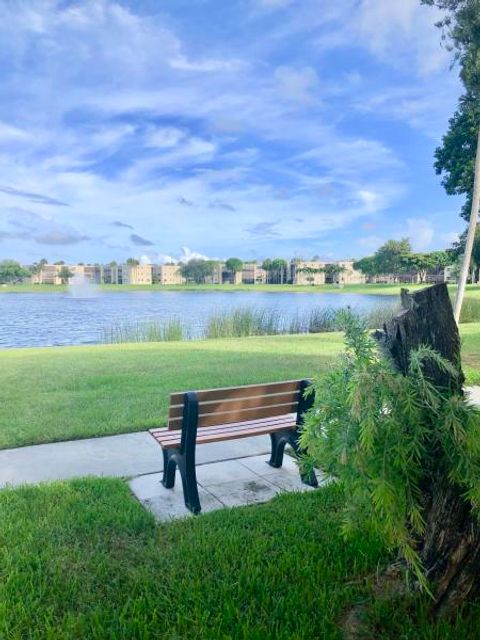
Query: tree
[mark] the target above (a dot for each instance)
(234, 265)
(458, 250)
(197, 270)
(368, 266)
(461, 30)
(417, 263)
(390, 257)
(267, 267)
(65, 274)
(12, 272)
(38, 266)
(133, 262)
(397, 432)
(279, 267)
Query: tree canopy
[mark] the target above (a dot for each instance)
(234, 264)
(198, 270)
(395, 257)
(12, 271)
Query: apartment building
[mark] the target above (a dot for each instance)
(253, 274)
(50, 273)
(47, 275)
(138, 274)
(307, 272)
(168, 274)
(349, 275)
(299, 272)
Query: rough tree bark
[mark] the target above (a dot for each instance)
(450, 549)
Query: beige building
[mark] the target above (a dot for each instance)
(137, 274)
(349, 275)
(253, 274)
(168, 274)
(307, 272)
(50, 273)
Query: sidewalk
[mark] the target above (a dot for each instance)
(126, 455)
(229, 473)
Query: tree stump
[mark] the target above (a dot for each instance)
(450, 548)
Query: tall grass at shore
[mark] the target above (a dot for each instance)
(171, 330)
(242, 322)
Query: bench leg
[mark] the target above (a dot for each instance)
(190, 487)
(279, 440)
(169, 468)
(307, 478)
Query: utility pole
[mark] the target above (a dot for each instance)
(470, 236)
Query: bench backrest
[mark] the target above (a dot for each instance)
(237, 404)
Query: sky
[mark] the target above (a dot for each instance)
(170, 129)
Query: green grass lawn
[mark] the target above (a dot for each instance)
(65, 393)
(82, 559)
(377, 289)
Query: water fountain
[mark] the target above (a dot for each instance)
(80, 287)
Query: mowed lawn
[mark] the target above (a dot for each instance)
(82, 559)
(75, 392)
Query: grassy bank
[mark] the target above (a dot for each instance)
(376, 289)
(75, 392)
(84, 560)
(361, 289)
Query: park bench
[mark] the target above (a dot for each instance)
(214, 415)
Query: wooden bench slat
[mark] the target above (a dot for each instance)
(235, 404)
(237, 416)
(286, 420)
(245, 414)
(229, 434)
(244, 391)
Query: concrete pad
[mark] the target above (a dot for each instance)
(242, 492)
(219, 472)
(169, 504)
(125, 455)
(259, 464)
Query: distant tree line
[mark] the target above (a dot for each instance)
(396, 258)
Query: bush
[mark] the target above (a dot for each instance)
(379, 432)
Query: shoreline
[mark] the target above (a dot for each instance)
(360, 289)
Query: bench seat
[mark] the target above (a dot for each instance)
(169, 439)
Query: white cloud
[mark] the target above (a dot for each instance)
(164, 137)
(297, 84)
(206, 65)
(450, 237)
(371, 243)
(399, 30)
(12, 134)
(420, 232)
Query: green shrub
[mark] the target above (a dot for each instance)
(379, 432)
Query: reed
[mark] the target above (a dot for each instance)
(149, 331)
(241, 322)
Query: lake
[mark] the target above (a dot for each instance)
(52, 319)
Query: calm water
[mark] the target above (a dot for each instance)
(48, 319)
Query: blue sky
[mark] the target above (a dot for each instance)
(252, 128)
